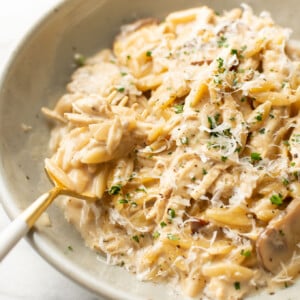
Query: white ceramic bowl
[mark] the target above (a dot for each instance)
(35, 76)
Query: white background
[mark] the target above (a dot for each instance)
(24, 275)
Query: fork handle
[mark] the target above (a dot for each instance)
(10, 236)
(18, 228)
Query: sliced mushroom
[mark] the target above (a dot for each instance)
(279, 240)
(197, 224)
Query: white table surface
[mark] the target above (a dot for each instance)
(24, 275)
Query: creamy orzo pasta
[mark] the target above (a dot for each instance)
(188, 133)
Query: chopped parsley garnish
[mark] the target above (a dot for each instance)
(79, 59)
(213, 122)
(271, 116)
(234, 52)
(123, 73)
(123, 201)
(115, 189)
(128, 57)
(246, 253)
(141, 190)
(296, 138)
(222, 42)
(70, 248)
(120, 89)
(244, 48)
(285, 181)
(276, 199)
(258, 117)
(156, 234)
(262, 130)
(178, 108)
(136, 238)
(204, 171)
(227, 132)
(243, 99)
(133, 204)
(184, 140)
(163, 224)
(217, 80)
(286, 143)
(171, 213)
(224, 158)
(149, 53)
(237, 285)
(172, 237)
(255, 156)
(220, 62)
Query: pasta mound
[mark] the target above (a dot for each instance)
(188, 133)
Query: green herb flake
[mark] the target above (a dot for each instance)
(123, 74)
(149, 53)
(184, 140)
(120, 89)
(122, 263)
(211, 122)
(136, 238)
(217, 80)
(243, 48)
(79, 59)
(204, 171)
(296, 138)
(70, 248)
(246, 253)
(156, 234)
(123, 201)
(133, 204)
(178, 109)
(243, 99)
(141, 190)
(285, 181)
(281, 232)
(220, 62)
(262, 130)
(224, 158)
(222, 42)
(172, 237)
(276, 199)
(234, 52)
(237, 285)
(171, 213)
(255, 156)
(286, 143)
(258, 117)
(115, 189)
(163, 224)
